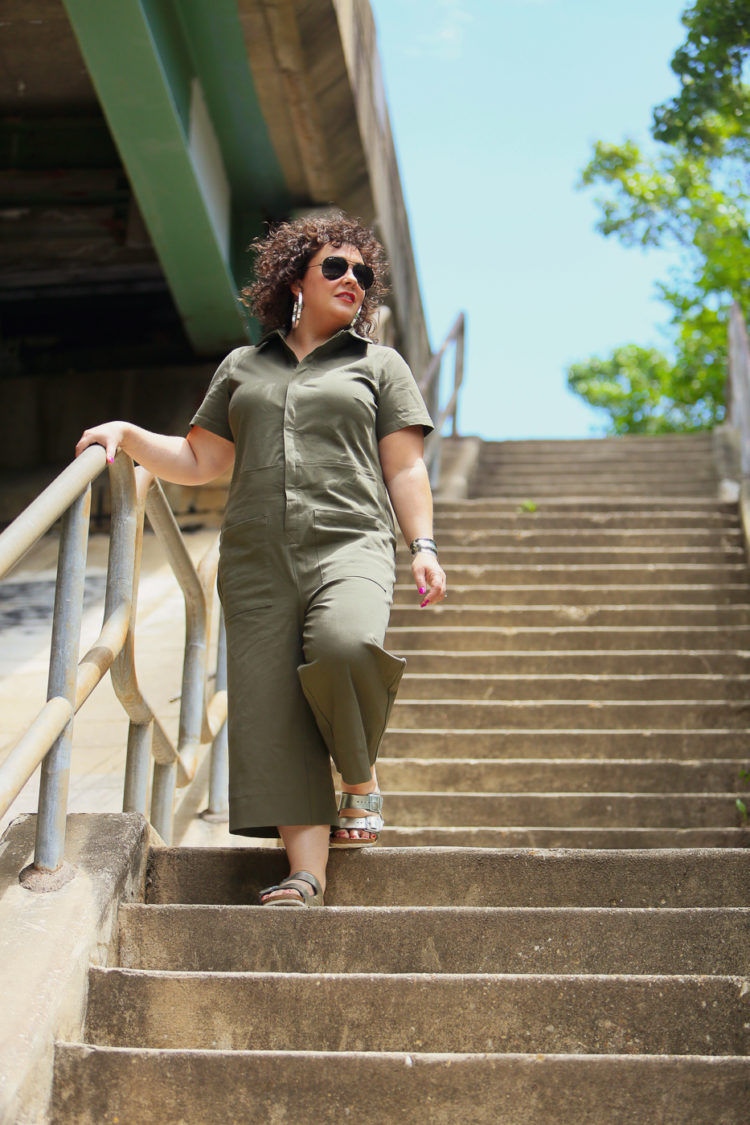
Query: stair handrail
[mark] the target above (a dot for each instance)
(429, 386)
(47, 740)
(738, 384)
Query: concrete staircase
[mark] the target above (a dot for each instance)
(556, 928)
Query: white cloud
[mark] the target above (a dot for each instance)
(445, 37)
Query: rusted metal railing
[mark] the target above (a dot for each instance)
(135, 494)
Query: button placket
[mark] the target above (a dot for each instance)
(294, 510)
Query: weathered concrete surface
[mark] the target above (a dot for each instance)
(100, 1086)
(550, 775)
(679, 1015)
(402, 939)
(564, 836)
(48, 940)
(505, 742)
(572, 637)
(578, 715)
(465, 877)
(459, 460)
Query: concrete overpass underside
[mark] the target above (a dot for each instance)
(143, 145)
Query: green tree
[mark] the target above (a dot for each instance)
(689, 196)
(709, 66)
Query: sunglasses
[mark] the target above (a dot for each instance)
(335, 267)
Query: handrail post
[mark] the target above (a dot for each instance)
(66, 636)
(431, 377)
(137, 767)
(218, 785)
(163, 789)
(458, 373)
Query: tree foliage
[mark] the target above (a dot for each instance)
(709, 66)
(690, 196)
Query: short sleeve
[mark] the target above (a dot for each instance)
(213, 412)
(400, 403)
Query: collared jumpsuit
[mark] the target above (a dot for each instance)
(306, 569)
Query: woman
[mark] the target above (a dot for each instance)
(323, 428)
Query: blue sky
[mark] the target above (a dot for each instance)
(495, 105)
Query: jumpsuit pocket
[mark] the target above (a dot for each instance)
(351, 545)
(245, 576)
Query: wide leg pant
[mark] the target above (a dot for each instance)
(308, 680)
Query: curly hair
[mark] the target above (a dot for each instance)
(282, 257)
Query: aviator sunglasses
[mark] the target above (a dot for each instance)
(335, 267)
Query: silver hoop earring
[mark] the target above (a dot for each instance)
(297, 310)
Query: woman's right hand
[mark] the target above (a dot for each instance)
(109, 434)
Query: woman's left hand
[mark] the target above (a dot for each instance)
(429, 577)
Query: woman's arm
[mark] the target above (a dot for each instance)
(405, 475)
(195, 459)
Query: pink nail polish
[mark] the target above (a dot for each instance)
(110, 460)
(421, 589)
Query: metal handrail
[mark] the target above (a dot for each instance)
(135, 494)
(428, 384)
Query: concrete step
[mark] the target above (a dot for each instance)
(504, 558)
(492, 549)
(659, 471)
(712, 662)
(561, 810)
(536, 488)
(650, 501)
(681, 468)
(555, 593)
(562, 638)
(520, 617)
(669, 444)
(631, 448)
(658, 745)
(578, 1013)
(600, 478)
(574, 715)
(574, 686)
(689, 460)
(560, 775)
(463, 876)
(476, 525)
(562, 837)
(602, 573)
(404, 939)
(140, 1086)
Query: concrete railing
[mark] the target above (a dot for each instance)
(738, 408)
(48, 739)
(738, 384)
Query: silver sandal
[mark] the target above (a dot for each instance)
(313, 897)
(372, 803)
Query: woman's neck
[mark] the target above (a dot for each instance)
(302, 340)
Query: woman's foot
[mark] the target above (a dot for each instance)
(359, 835)
(299, 889)
(307, 852)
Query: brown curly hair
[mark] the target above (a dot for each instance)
(282, 257)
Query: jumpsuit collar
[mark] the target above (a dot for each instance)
(334, 343)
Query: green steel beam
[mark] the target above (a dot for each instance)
(174, 84)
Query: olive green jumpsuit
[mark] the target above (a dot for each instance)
(306, 569)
